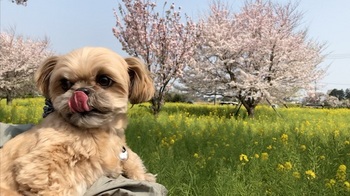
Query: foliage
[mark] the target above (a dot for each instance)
(160, 39)
(332, 101)
(22, 111)
(19, 58)
(177, 97)
(340, 94)
(20, 2)
(259, 52)
(202, 150)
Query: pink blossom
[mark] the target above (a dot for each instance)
(19, 58)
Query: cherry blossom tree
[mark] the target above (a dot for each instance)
(19, 58)
(205, 77)
(160, 39)
(258, 53)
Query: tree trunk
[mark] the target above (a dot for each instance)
(9, 99)
(250, 108)
(251, 111)
(156, 105)
(157, 102)
(250, 105)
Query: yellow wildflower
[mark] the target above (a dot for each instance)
(280, 167)
(302, 147)
(341, 173)
(269, 147)
(310, 174)
(164, 142)
(256, 156)
(296, 175)
(243, 158)
(336, 133)
(264, 156)
(347, 185)
(331, 183)
(196, 155)
(284, 138)
(288, 165)
(342, 168)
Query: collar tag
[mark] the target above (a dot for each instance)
(124, 154)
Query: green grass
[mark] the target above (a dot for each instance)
(203, 150)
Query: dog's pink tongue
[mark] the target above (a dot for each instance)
(78, 102)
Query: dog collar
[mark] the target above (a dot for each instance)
(48, 108)
(124, 154)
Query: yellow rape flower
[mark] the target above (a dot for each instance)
(264, 156)
(296, 175)
(336, 133)
(302, 147)
(288, 165)
(341, 173)
(331, 183)
(284, 138)
(310, 174)
(164, 142)
(347, 185)
(280, 167)
(256, 156)
(243, 158)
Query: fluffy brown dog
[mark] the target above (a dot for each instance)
(83, 138)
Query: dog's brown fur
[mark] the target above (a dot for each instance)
(68, 151)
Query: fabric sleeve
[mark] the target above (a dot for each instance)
(8, 131)
(123, 186)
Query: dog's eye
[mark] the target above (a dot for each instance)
(66, 84)
(104, 81)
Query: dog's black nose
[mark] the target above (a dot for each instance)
(85, 90)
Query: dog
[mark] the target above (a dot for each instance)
(83, 138)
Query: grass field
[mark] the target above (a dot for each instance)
(203, 150)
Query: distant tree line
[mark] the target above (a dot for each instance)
(340, 94)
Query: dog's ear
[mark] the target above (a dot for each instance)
(42, 75)
(141, 84)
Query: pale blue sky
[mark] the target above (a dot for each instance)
(71, 24)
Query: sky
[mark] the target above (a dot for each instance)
(73, 24)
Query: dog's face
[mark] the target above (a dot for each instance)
(89, 87)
